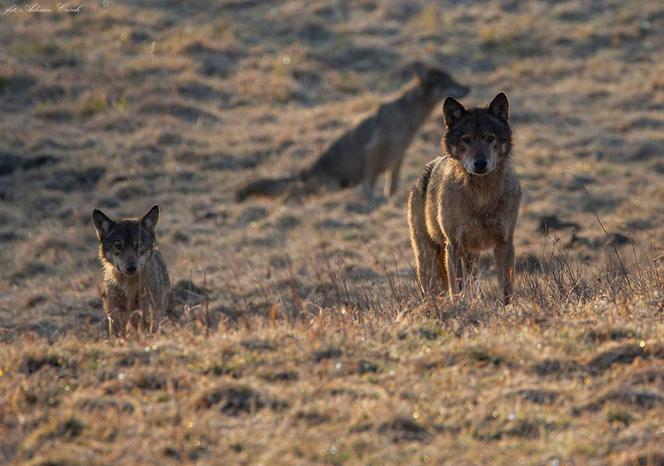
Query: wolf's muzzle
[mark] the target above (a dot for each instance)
(480, 165)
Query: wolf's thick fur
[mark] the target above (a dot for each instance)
(376, 145)
(467, 201)
(136, 284)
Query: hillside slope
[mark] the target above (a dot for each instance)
(303, 338)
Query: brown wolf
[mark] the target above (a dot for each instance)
(466, 201)
(376, 145)
(136, 284)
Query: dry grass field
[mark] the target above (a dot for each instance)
(301, 336)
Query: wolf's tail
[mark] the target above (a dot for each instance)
(265, 187)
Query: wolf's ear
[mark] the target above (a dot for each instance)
(420, 70)
(102, 223)
(150, 219)
(452, 110)
(499, 107)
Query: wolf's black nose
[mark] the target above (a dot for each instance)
(480, 165)
(131, 268)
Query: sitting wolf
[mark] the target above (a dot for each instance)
(136, 283)
(375, 146)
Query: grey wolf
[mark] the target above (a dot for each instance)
(376, 145)
(466, 201)
(136, 283)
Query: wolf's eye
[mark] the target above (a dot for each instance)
(490, 138)
(466, 139)
(117, 245)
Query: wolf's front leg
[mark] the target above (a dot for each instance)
(371, 169)
(504, 254)
(117, 322)
(392, 180)
(153, 308)
(368, 188)
(454, 268)
(114, 304)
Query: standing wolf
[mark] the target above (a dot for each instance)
(376, 145)
(467, 201)
(136, 283)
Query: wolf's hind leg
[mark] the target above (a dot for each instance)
(442, 264)
(431, 272)
(429, 256)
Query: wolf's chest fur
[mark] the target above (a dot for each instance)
(476, 213)
(126, 290)
(145, 289)
(479, 233)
